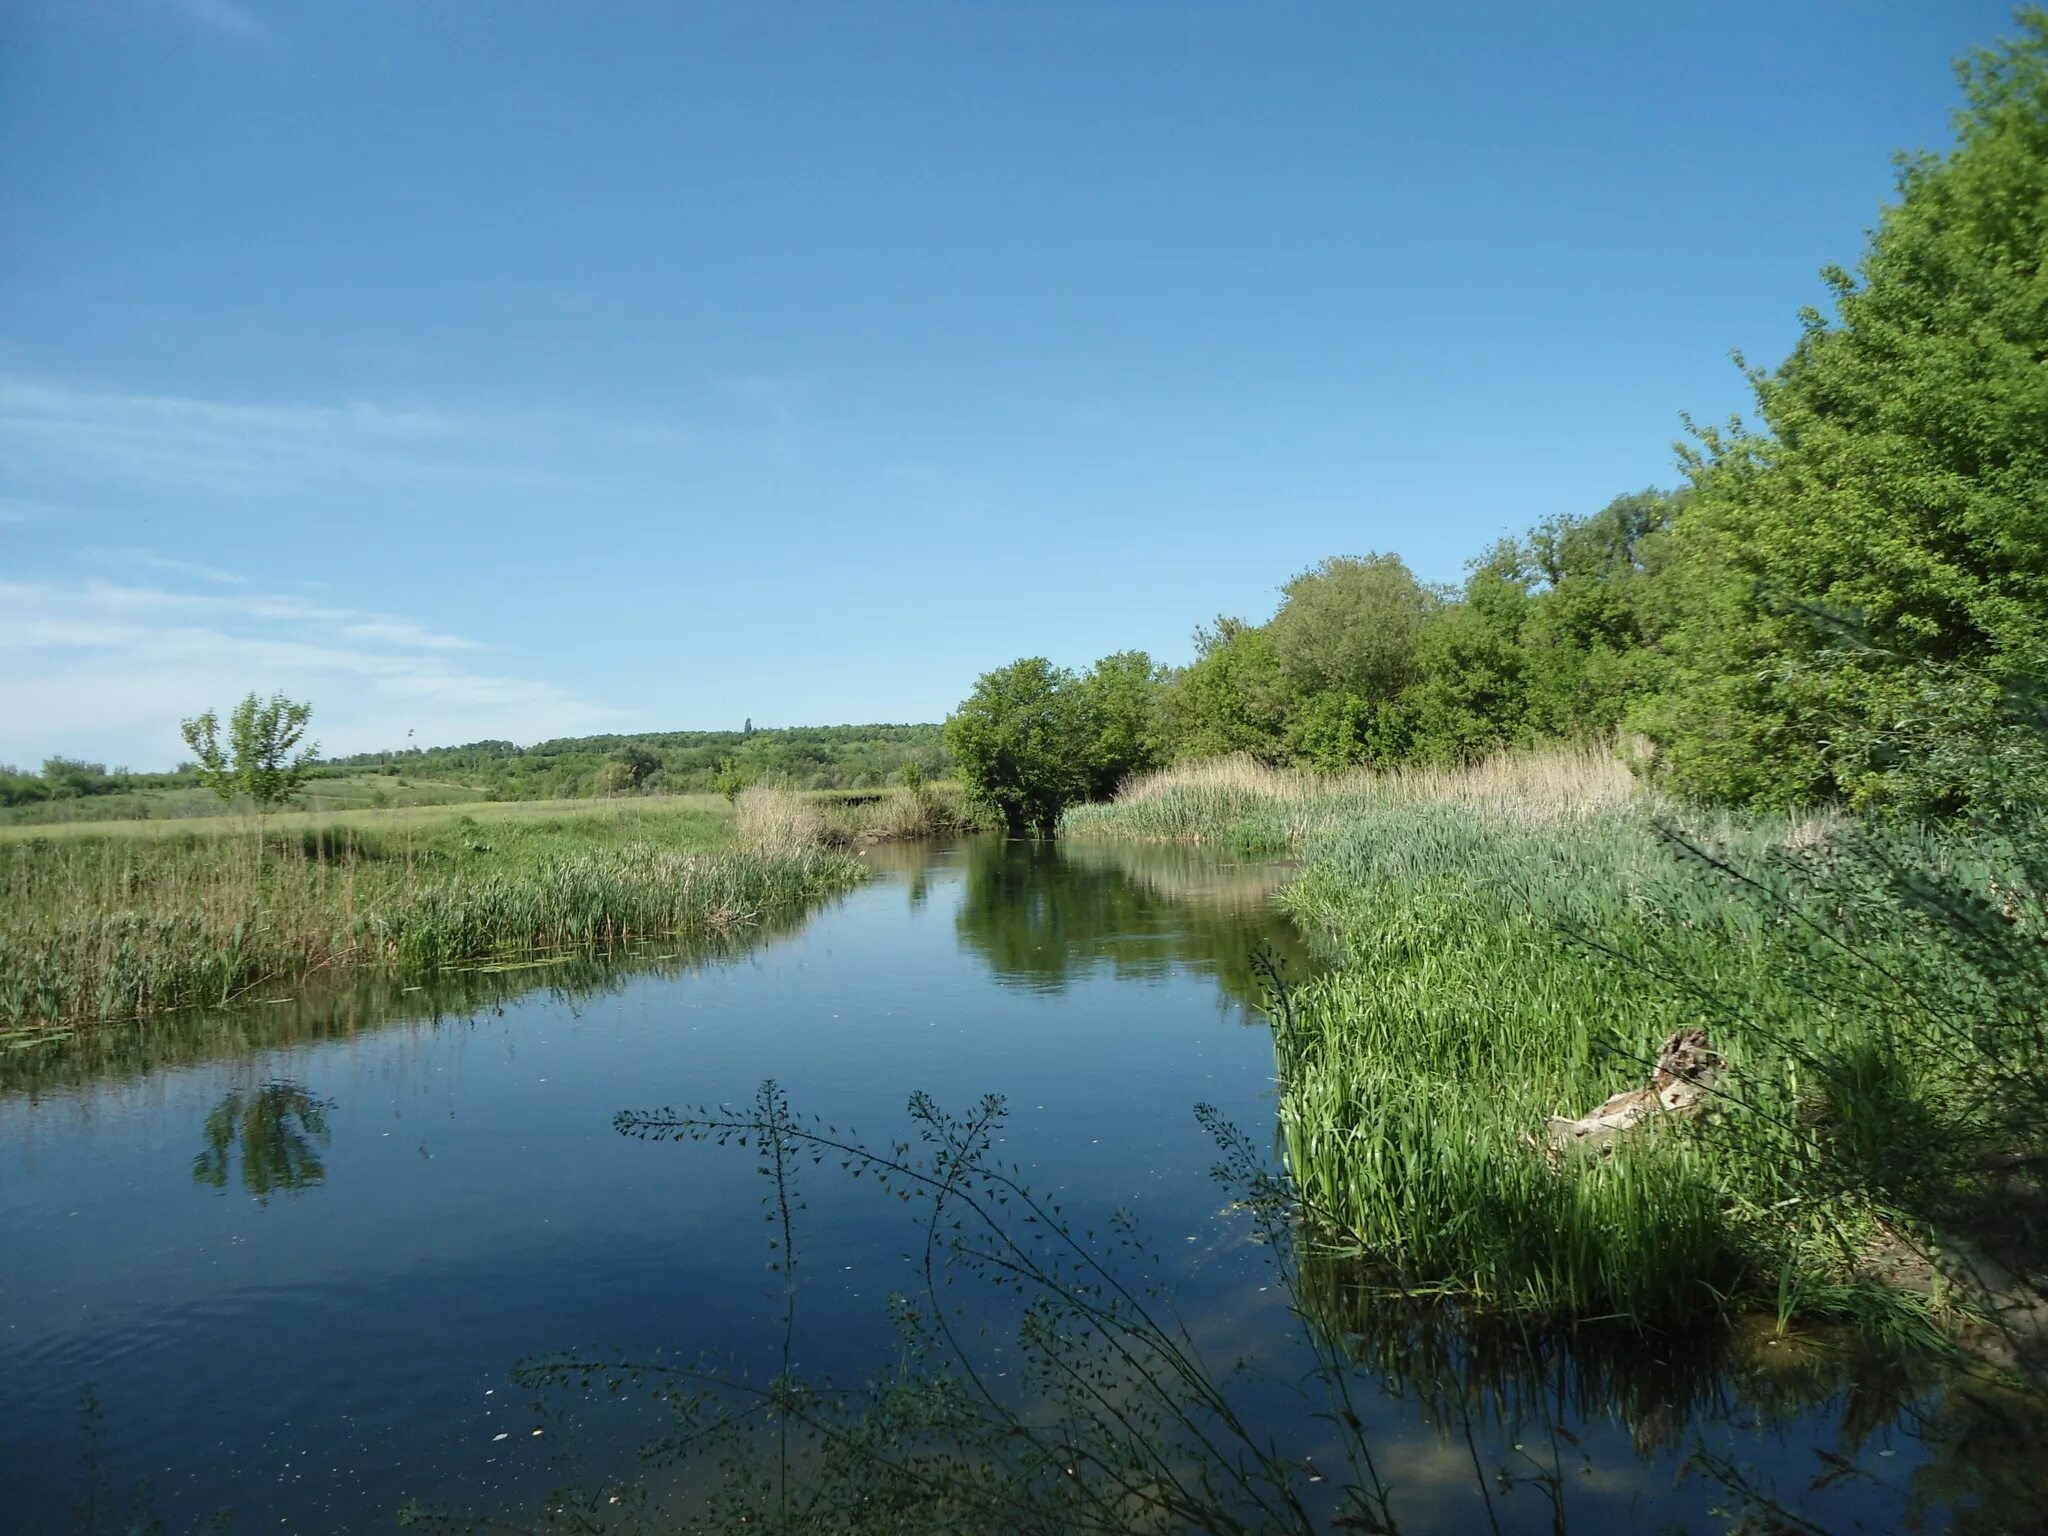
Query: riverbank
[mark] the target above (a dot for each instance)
(1514, 942)
(133, 920)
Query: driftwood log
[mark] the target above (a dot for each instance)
(1684, 1079)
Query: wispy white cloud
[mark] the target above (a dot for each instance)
(70, 434)
(107, 670)
(225, 17)
(234, 447)
(150, 560)
(351, 623)
(404, 632)
(14, 511)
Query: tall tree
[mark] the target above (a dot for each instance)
(1473, 696)
(1865, 572)
(1121, 697)
(1590, 637)
(1233, 698)
(1021, 741)
(1351, 626)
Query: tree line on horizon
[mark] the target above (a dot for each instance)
(658, 762)
(1845, 602)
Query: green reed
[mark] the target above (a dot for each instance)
(120, 927)
(1876, 994)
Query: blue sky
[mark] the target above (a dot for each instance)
(483, 368)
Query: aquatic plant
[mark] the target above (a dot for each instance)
(1240, 801)
(120, 927)
(1513, 940)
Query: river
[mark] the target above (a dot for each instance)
(284, 1259)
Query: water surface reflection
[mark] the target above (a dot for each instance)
(317, 1362)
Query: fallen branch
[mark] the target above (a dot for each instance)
(1682, 1082)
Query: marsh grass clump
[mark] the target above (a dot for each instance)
(779, 820)
(1878, 1012)
(854, 819)
(1512, 940)
(1260, 808)
(1415, 1074)
(120, 927)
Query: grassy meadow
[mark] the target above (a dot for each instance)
(175, 800)
(121, 920)
(1513, 942)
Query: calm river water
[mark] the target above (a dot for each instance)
(290, 1255)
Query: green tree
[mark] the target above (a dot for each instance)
(631, 766)
(1473, 697)
(1121, 696)
(1868, 567)
(70, 777)
(1232, 699)
(1590, 637)
(1351, 626)
(263, 759)
(1333, 731)
(1022, 741)
(730, 779)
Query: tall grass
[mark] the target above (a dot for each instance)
(773, 816)
(778, 821)
(1512, 943)
(1418, 1075)
(1256, 806)
(121, 927)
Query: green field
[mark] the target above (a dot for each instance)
(850, 758)
(354, 813)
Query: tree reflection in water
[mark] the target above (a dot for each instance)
(1046, 915)
(275, 1128)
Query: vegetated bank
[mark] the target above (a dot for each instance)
(121, 923)
(1846, 604)
(1512, 944)
(838, 757)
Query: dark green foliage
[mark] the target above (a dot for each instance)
(1232, 699)
(1034, 738)
(1351, 626)
(1880, 541)
(1023, 742)
(1845, 604)
(1121, 698)
(1551, 637)
(1473, 695)
(631, 767)
(66, 777)
(803, 757)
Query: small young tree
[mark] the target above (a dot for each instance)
(729, 780)
(263, 759)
